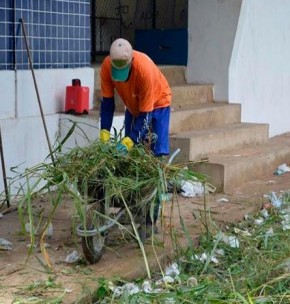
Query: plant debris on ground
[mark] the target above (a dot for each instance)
(98, 173)
(255, 268)
(246, 263)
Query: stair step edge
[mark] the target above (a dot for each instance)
(235, 127)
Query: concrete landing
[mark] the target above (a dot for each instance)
(231, 169)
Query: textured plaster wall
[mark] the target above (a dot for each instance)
(212, 27)
(260, 69)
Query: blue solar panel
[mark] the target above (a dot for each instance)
(58, 33)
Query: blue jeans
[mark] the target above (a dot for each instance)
(159, 126)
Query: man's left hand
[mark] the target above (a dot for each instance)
(125, 145)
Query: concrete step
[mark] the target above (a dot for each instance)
(185, 95)
(198, 144)
(174, 74)
(207, 115)
(231, 169)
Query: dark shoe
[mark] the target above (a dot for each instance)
(146, 232)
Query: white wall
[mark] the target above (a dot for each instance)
(25, 144)
(87, 129)
(51, 86)
(7, 94)
(260, 65)
(23, 136)
(212, 26)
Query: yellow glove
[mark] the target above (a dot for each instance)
(128, 142)
(104, 135)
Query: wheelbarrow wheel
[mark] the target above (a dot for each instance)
(93, 246)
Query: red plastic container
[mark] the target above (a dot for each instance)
(77, 98)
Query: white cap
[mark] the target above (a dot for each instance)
(121, 49)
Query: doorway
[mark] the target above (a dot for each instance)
(128, 18)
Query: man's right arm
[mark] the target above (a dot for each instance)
(107, 112)
(107, 103)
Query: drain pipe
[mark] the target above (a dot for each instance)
(36, 89)
(4, 172)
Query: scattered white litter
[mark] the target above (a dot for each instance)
(131, 288)
(49, 230)
(5, 245)
(242, 232)
(117, 291)
(264, 213)
(165, 280)
(231, 240)
(269, 232)
(146, 286)
(27, 227)
(172, 270)
(1, 215)
(73, 257)
(220, 252)
(276, 202)
(204, 257)
(214, 260)
(201, 258)
(128, 288)
(286, 221)
(259, 221)
(282, 169)
(34, 246)
(192, 189)
(68, 290)
(222, 200)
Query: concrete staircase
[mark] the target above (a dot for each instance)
(233, 152)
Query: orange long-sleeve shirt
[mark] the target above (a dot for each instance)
(145, 90)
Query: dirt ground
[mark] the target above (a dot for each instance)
(23, 276)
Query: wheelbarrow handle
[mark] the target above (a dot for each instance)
(173, 155)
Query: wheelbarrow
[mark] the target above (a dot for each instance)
(99, 221)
